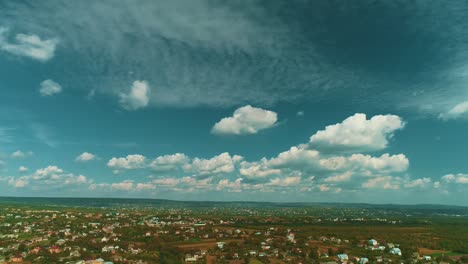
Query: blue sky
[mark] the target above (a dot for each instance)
(253, 100)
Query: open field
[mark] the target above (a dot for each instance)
(205, 244)
(426, 251)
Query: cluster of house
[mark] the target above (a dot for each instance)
(70, 235)
(28, 235)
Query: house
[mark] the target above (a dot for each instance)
(372, 242)
(35, 250)
(75, 253)
(395, 251)
(17, 258)
(363, 260)
(342, 257)
(221, 244)
(55, 249)
(190, 258)
(427, 257)
(291, 237)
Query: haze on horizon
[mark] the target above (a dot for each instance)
(297, 101)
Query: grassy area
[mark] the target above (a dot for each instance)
(255, 261)
(448, 254)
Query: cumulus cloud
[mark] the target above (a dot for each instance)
(384, 163)
(166, 181)
(85, 156)
(23, 169)
(25, 45)
(284, 182)
(137, 97)
(324, 188)
(169, 162)
(21, 155)
(290, 170)
(223, 163)
(233, 186)
(18, 183)
(418, 183)
(357, 133)
(246, 120)
(456, 178)
(340, 177)
(145, 186)
(123, 186)
(130, 162)
(381, 182)
(458, 111)
(48, 177)
(47, 171)
(296, 157)
(257, 169)
(49, 88)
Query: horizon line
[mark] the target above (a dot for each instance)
(230, 201)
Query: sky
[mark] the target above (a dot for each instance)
(285, 101)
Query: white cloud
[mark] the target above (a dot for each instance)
(223, 163)
(18, 183)
(46, 172)
(138, 96)
(418, 183)
(123, 186)
(166, 181)
(233, 186)
(356, 133)
(246, 120)
(340, 177)
(300, 113)
(145, 186)
(31, 46)
(381, 182)
(323, 188)
(49, 88)
(134, 161)
(21, 155)
(360, 162)
(284, 182)
(257, 169)
(22, 169)
(95, 186)
(85, 156)
(169, 162)
(295, 157)
(456, 178)
(51, 176)
(187, 183)
(459, 110)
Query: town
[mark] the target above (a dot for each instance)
(77, 235)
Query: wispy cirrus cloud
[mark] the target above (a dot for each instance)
(249, 53)
(25, 45)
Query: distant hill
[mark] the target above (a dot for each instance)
(123, 202)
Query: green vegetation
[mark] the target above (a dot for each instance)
(57, 233)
